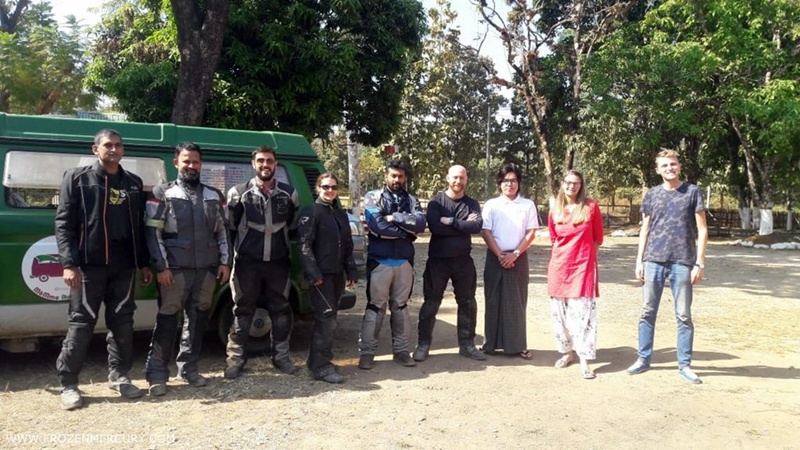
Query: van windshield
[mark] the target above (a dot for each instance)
(33, 179)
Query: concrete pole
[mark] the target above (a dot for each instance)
(352, 171)
(488, 192)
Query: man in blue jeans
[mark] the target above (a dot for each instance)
(672, 244)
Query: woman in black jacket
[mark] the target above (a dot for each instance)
(326, 251)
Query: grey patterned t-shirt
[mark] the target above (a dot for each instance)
(673, 229)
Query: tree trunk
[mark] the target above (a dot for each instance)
(47, 101)
(200, 38)
(744, 217)
(758, 180)
(537, 112)
(5, 101)
(10, 19)
(352, 171)
(766, 224)
(691, 169)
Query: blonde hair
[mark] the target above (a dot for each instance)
(666, 153)
(581, 213)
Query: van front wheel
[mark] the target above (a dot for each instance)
(259, 337)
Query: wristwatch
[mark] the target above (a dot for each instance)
(702, 266)
(516, 253)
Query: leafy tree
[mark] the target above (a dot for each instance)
(529, 32)
(10, 13)
(333, 154)
(649, 94)
(135, 60)
(301, 66)
(448, 102)
(43, 66)
(584, 23)
(716, 80)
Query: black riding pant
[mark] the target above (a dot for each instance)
(325, 300)
(255, 282)
(100, 285)
(438, 271)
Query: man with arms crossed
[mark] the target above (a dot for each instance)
(672, 244)
(452, 218)
(394, 218)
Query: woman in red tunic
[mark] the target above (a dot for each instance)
(576, 231)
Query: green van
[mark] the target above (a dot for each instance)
(34, 153)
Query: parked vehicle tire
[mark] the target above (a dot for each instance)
(259, 340)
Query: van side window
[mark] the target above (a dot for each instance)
(32, 179)
(224, 176)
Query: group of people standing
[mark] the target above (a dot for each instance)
(508, 225)
(672, 245)
(194, 237)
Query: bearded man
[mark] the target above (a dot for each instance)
(187, 239)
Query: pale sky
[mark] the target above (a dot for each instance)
(472, 32)
(78, 8)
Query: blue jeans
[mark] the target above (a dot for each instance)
(680, 282)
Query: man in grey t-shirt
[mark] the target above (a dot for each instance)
(672, 244)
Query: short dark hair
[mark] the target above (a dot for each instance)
(189, 147)
(507, 169)
(398, 164)
(263, 149)
(106, 132)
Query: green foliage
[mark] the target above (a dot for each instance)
(43, 66)
(301, 66)
(333, 154)
(447, 105)
(549, 43)
(135, 60)
(717, 80)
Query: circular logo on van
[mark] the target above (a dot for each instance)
(42, 271)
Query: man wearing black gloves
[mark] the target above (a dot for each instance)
(394, 218)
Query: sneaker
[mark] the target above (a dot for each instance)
(157, 389)
(421, 353)
(232, 372)
(125, 388)
(688, 374)
(71, 398)
(195, 379)
(285, 365)
(366, 362)
(472, 353)
(404, 359)
(331, 376)
(638, 367)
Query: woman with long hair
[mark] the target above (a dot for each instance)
(576, 231)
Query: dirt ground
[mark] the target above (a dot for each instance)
(746, 312)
